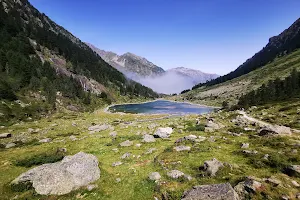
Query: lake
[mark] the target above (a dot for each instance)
(162, 107)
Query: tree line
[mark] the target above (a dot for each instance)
(273, 91)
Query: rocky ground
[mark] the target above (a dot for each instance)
(224, 155)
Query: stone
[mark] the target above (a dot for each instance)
(148, 138)
(154, 176)
(285, 197)
(113, 134)
(149, 151)
(125, 155)
(245, 145)
(118, 180)
(250, 152)
(138, 145)
(115, 149)
(182, 148)
(293, 170)
(190, 137)
(274, 182)
(117, 163)
(5, 135)
(188, 177)
(45, 140)
(201, 138)
(266, 157)
(274, 130)
(62, 177)
(98, 128)
(250, 185)
(163, 132)
(295, 183)
(211, 167)
(297, 196)
(10, 145)
(91, 187)
(211, 139)
(126, 143)
(222, 191)
(73, 138)
(175, 174)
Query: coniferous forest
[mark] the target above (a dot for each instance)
(274, 91)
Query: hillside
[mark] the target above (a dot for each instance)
(231, 90)
(40, 58)
(283, 44)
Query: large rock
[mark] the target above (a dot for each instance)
(148, 138)
(211, 167)
(222, 191)
(98, 128)
(274, 130)
(62, 177)
(163, 132)
(245, 188)
(5, 135)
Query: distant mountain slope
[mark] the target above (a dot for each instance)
(196, 76)
(145, 72)
(280, 45)
(39, 56)
(129, 63)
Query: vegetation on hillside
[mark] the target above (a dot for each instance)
(273, 91)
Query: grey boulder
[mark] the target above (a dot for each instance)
(211, 167)
(5, 135)
(148, 138)
(154, 176)
(222, 191)
(126, 143)
(163, 132)
(62, 177)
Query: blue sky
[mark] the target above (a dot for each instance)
(214, 36)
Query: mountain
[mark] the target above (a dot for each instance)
(283, 44)
(145, 72)
(39, 58)
(129, 63)
(267, 68)
(196, 76)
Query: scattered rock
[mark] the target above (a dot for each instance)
(188, 177)
(211, 167)
(175, 174)
(250, 152)
(201, 138)
(117, 163)
(91, 187)
(46, 140)
(182, 148)
(98, 128)
(126, 143)
(115, 150)
(293, 170)
(73, 138)
(113, 134)
(274, 182)
(10, 145)
(63, 150)
(154, 176)
(222, 191)
(62, 177)
(5, 135)
(285, 197)
(295, 183)
(297, 196)
(125, 155)
(245, 145)
(138, 145)
(118, 180)
(266, 157)
(149, 151)
(163, 132)
(250, 185)
(148, 138)
(274, 130)
(211, 139)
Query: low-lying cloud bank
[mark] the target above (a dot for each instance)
(168, 83)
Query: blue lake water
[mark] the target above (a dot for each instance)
(162, 107)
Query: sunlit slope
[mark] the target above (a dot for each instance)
(231, 90)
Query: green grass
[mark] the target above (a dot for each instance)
(135, 170)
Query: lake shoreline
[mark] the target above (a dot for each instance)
(106, 109)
